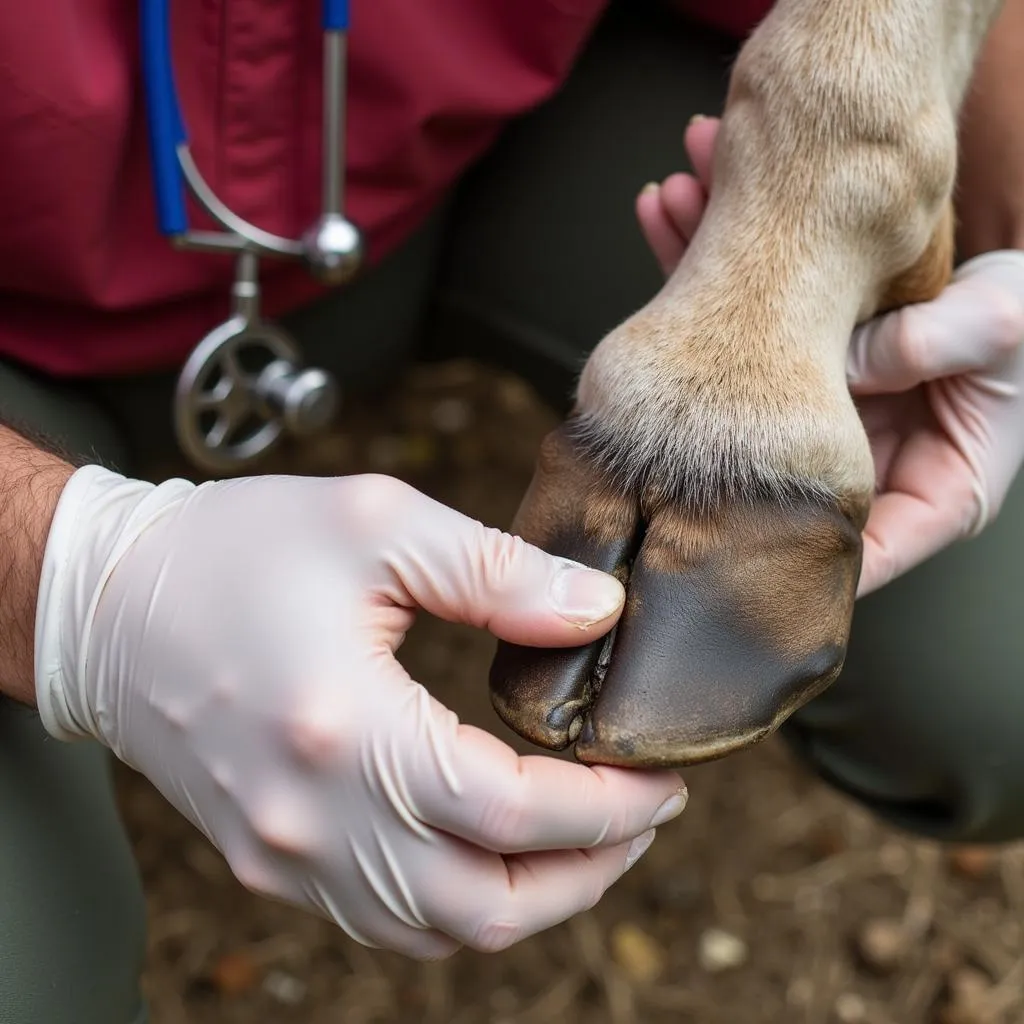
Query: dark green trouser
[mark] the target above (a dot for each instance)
(537, 259)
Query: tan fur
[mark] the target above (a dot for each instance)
(932, 272)
(565, 490)
(832, 179)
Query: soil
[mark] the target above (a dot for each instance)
(770, 900)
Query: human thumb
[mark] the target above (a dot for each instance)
(976, 322)
(460, 570)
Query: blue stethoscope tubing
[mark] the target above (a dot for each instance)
(283, 397)
(166, 128)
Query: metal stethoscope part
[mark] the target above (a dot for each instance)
(244, 387)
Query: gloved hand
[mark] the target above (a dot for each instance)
(939, 385)
(940, 389)
(235, 643)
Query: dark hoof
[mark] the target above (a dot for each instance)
(567, 511)
(733, 620)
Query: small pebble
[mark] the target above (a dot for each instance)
(882, 944)
(285, 988)
(637, 953)
(972, 862)
(850, 1008)
(720, 950)
(233, 974)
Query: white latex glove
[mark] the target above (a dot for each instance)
(235, 643)
(940, 388)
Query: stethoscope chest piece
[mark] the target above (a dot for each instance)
(243, 389)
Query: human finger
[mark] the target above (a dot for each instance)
(684, 201)
(970, 327)
(456, 568)
(661, 235)
(930, 502)
(502, 900)
(488, 795)
(699, 140)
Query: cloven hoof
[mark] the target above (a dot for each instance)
(734, 618)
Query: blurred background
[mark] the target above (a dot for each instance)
(769, 900)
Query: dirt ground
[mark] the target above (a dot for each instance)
(770, 900)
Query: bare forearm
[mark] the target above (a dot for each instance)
(31, 481)
(990, 203)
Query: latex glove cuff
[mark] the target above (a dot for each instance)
(99, 515)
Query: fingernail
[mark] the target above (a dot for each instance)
(696, 119)
(670, 809)
(584, 596)
(651, 186)
(637, 849)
